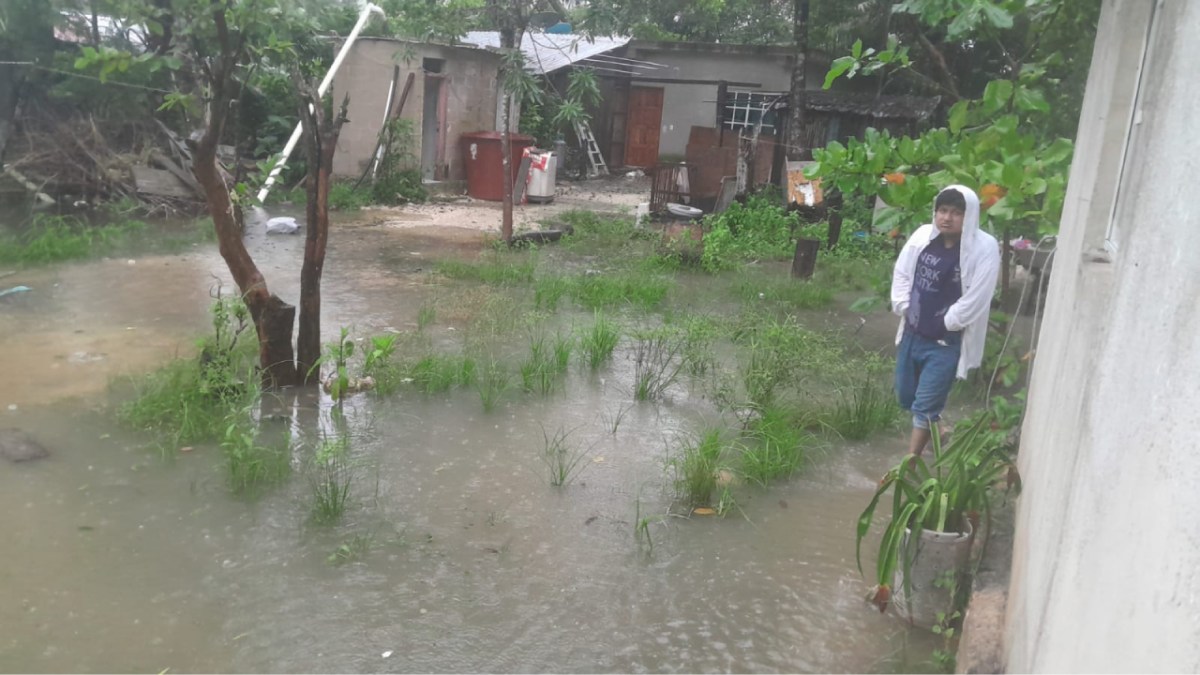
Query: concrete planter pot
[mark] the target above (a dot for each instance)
(918, 598)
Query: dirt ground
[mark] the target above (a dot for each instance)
(610, 194)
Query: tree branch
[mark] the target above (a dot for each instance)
(939, 60)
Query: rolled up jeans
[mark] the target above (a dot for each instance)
(925, 371)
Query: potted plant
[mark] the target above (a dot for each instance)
(942, 501)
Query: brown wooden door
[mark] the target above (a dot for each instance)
(643, 125)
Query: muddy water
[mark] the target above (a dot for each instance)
(116, 560)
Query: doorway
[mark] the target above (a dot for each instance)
(643, 126)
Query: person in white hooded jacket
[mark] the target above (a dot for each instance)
(942, 288)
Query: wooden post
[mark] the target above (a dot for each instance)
(804, 262)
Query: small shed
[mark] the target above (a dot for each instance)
(454, 89)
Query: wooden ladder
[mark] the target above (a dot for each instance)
(592, 149)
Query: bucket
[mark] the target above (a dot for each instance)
(940, 558)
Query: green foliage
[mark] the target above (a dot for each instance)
(57, 238)
(777, 353)
(792, 293)
(379, 364)
(189, 400)
(1008, 141)
(338, 355)
(343, 196)
(759, 229)
(937, 495)
(398, 178)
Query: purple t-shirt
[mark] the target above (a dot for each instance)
(937, 284)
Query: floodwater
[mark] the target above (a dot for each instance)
(117, 559)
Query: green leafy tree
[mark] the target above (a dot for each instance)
(1008, 141)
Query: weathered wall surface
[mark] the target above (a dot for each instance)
(688, 105)
(1107, 547)
(470, 79)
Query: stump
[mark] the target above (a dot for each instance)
(805, 260)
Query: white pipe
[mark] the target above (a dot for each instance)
(337, 62)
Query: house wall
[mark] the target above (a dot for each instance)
(1106, 556)
(471, 93)
(688, 105)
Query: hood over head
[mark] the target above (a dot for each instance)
(970, 216)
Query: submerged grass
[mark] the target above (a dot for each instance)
(598, 342)
(635, 288)
(250, 462)
(657, 360)
(774, 449)
(696, 468)
(494, 380)
(329, 479)
(546, 362)
(793, 293)
(498, 269)
(437, 373)
(563, 462)
(863, 408)
(52, 238)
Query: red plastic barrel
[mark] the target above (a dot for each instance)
(483, 158)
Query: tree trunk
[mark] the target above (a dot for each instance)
(10, 93)
(507, 42)
(796, 149)
(804, 262)
(273, 318)
(320, 142)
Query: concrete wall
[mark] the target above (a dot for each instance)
(470, 82)
(688, 105)
(1107, 549)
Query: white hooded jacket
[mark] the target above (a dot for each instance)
(979, 265)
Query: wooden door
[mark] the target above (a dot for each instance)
(643, 126)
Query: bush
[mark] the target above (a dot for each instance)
(760, 228)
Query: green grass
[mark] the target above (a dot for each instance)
(599, 341)
(249, 462)
(624, 288)
(598, 231)
(437, 373)
(780, 355)
(493, 381)
(329, 479)
(563, 462)
(541, 369)
(56, 238)
(774, 449)
(494, 270)
(700, 333)
(863, 408)
(657, 360)
(345, 197)
(548, 290)
(696, 466)
(426, 315)
(793, 293)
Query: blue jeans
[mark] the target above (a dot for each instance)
(925, 371)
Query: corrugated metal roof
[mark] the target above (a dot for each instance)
(548, 52)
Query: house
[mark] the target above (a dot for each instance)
(453, 90)
(1106, 558)
(699, 97)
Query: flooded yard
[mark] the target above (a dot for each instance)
(455, 551)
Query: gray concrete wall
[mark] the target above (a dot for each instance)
(470, 79)
(688, 105)
(1107, 546)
